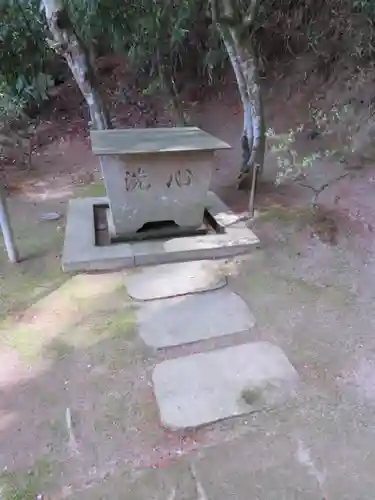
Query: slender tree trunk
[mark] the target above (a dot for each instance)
(167, 81)
(165, 66)
(247, 135)
(249, 64)
(6, 229)
(67, 43)
(231, 47)
(235, 32)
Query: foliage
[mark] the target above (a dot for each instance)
(164, 37)
(23, 52)
(290, 165)
(365, 6)
(155, 34)
(10, 106)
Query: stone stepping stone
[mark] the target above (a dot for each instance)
(204, 388)
(170, 280)
(191, 318)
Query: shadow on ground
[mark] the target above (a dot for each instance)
(76, 352)
(70, 348)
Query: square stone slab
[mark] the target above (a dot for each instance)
(82, 254)
(171, 280)
(191, 318)
(204, 388)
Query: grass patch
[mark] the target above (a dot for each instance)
(24, 284)
(40, 270)
(302, 216)
(114, 411)
(275, 284)
(26, 341)
(119, 324)
(84, 311)
(32, 345)
(26, 485)
(100, 326)
(96, 189)
(59, 429)
(59, 350)
(40, 245)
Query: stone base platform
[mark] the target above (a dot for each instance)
(82, 253)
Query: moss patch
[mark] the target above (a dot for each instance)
(96, 189)
(302, 216)
(39, 272)
(33, 345)
(40, 245)
(23, 284)
(27, 485)
(86, 310)
(275, 284)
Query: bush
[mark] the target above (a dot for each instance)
(153, 33)
(366, 7)
(23, 52)
(172, 35)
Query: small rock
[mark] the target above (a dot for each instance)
(50, 216)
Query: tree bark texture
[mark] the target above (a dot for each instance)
(235, 28)
(6, 229)
(67, 43)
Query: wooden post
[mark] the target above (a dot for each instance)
(6, 229)
(252, 192)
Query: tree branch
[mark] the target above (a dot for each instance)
(251, 12)
(215, 11)
(228, 15)
(318, 191)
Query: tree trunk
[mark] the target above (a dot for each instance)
(67, 43)
(6, 229)
(234, 28)
(249, 65)
(165, 66)
(247, 135)
(167, 82)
